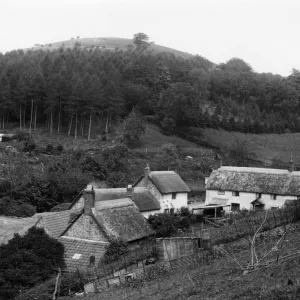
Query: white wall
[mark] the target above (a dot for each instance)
(245, 199)
(167, 202)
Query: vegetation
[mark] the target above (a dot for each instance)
(27, 261)
(74, 88)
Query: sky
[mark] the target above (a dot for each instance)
(264, 33)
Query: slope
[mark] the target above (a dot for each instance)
(109, 43)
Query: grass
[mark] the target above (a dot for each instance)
(9, 226)
(111, 43)
(220, 279)
(265, 146)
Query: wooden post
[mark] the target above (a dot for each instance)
(215, 213)
(57, 287)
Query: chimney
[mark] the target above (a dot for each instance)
(147, 172)
(218, 162)
(89, 201)
(130, 191)
(291, 164)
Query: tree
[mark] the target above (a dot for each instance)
(134, 128)
(28, 260)
(141, 41)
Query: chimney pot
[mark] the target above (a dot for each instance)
(147, 172)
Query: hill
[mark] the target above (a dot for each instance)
(267, 147)
(109, 43)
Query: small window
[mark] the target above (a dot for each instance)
(274, 208)
(221, 193)
(76, 256)
(273, 196)
(235, 206)
(166, 211)
(173, 195)
(258, 195)
(236, 194)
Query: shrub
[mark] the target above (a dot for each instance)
(165, 225)
(115, 249)
(28, 260)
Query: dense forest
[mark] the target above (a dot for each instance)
(70, 89)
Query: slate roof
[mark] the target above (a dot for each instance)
(122, 219)
(167, 182)
(55, 223)
(84, 250)
(144, 200)
(255, 180)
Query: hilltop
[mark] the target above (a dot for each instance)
(109, 43)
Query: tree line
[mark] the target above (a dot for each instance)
(72, 89)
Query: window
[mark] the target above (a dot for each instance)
(166, 211)
(235, 206)
(221, 193)
(173, 195)
(273, 196)
(274, 208)
(76, 256)
(258, 195)
(235, 194)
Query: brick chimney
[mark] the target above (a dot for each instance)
(291, 165)
(218, 162)
(146, 174)
(89, 201)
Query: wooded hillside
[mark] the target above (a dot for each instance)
(70, 88)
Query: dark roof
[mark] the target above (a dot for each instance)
(55, 223)
(142, 197)
(167, 182)
(144, 200)
(84, 250)
(121, 219)
(255, 180)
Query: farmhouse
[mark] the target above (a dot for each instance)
(252, 188)
(166, 186)
(99, 222)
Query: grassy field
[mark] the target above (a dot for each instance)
(265, 146)
(110, 43)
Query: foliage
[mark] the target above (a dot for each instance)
(115, 250)
(167, 156)
(17, 208)
(28, 260)
(240, 152)
(134, 127)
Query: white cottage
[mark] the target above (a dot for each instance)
(166, 186)
(252, 188)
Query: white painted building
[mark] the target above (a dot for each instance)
(252, 188)
(167, 187)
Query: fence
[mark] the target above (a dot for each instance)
(245, 224)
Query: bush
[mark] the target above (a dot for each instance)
(11, 207)
(165, 225)
(115, 249)
(28, 260)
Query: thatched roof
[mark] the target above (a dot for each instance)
(121, 219)
(167, 182)
(142, 197)
(255, 180)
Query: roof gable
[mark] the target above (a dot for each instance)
(144, 200)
